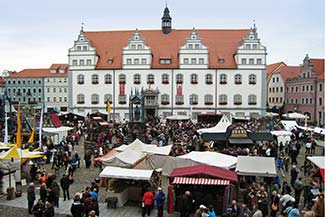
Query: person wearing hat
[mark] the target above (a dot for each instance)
(160, 200)
(200, 210)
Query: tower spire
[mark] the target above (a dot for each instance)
(166, 21)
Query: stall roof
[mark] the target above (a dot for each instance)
(199, 181)
(221, 127)
(124, 173)
(53, 130)
(256, 166)
(261, 136)
(127, 158)
(178, 117)
(212, 158)
(205, 170)
(139, 146)
(319, 161)
(289, 125)
(281, 133)
(214, 136)
(244, 141)
(319, 130)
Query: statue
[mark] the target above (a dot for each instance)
(137, 113)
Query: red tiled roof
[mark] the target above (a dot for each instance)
(289, 72)
(223, 43)
(272, 67)
(41, 73)
(319, 67)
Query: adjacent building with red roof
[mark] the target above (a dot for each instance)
(305, 92)
(47, 87)
(186, 72)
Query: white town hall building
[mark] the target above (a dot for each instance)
(185, 72)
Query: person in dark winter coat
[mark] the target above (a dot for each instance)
(31, 197)
(186, 204)
(56, 190)
(49, 210)
(38, 209)
(50, 195)
(77, 209)
(160, 200)
(65, 183)
(43, 192)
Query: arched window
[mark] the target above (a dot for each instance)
(94, 99)
(165, 99)
(108, 79)
(208, 99)
(165, 78)
(179, 79)
(208, 79)
(80, 79)
(238, 79)
(252, 79)
(137, 79)
(108, 97)
(94, 79)
(237, 99)
(194, 79)
(252, 99)
(194, 99)
(223, 79)
(150, 79)
(122, 79)
(80, 99)
(223, 99)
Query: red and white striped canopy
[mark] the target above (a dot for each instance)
(200, 181)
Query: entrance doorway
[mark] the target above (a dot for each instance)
(150, 113)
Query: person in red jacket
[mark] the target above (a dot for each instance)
(147, 202)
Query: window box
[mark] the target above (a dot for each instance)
(179, 82)
(136, 82)
(179, 103)
(252, 103)
(150, 82)
(223, 82)
(81, 82)
(208, 82)
(108, 82)
(222, 103)
(194, 103)
(252, 82)
(165, 103)
(165, 82)
(81, 102)
(122, 82)
(94, 102)
(208, 103)
(237, 103)
(238, 82)
(94, 82)
(194, 82)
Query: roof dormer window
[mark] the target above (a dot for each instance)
(61, 71)
(110, 61)
(165, 61)
(53, 71)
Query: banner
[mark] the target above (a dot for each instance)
(40, 128)
(179, 89)
(18, 133)
(108, 105)
(122, 89)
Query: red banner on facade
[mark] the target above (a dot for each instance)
(179, 89)
(122, 89)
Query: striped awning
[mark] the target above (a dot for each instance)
(200, 181)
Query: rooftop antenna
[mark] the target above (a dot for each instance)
(166, 3)
(82, 27)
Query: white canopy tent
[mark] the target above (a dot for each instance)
(212, 158)
(221, 127)
(319, 130)
(139, 146)
(256, 166)
(178, 117)
(57, 133)
(320, 143)
(271, 114)
(319, 161)
(125, 173)
(126, 159)
(282, 136)
(295, 115)
(289, 125)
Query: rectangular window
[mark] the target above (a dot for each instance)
(48, 99)
(243, 61)
(197, 46)
(65, 99)
(133, 47)
(143, 61)
(254, 46)
(320, 87)
(185, 60)
(60, 99)
(193, 61)
(251, 61)
(190, 46)
(136, 61)
(74, 62)
(281, 89)
(81, 62)
(78, 48)
(179, 99)
(259, 61)
(201, 61)
(165, 61)
(320, 101)
(248, 46)
(54, 99)
(88, 62)
(84, 48)
(128, 61)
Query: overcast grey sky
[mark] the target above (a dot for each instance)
(36, 33)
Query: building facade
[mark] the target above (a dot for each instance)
(305, 93)
(40, 87)
(178, 71)
(278, 73)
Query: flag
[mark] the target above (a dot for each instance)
(31, 138)
(108, 106)
(40, 128)
(6, 127)
(18, 133)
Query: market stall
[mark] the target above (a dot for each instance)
(282, 136)
(57, 133)
(207, 184)
(319, 162)
(127, 184)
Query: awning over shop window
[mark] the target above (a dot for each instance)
(199, 181)
(55, 120)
